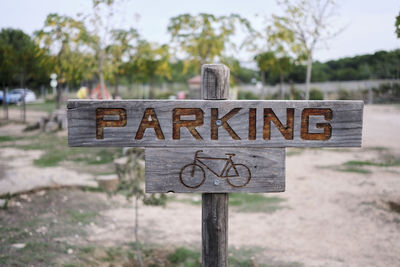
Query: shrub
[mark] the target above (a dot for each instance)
(316, 94)
(343, 94)
(247, 95)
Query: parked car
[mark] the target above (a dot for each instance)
(7, 97)
(17, 94)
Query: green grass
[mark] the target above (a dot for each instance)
(389, 162)
(185, 257)
(255, 202)
(243, 202)
(47, 106)
(84, 217)
(56, 150)
(354, 170)
(6, 138)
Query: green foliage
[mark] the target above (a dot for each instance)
(185, 257)
(316, 94)
(254, 202)
(397, 25)
(80, 216)
(247, 95)
(204, 37)
(20, 59)
(343, 94)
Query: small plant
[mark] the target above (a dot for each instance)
(316, 94)
(131, 184)
(185, 257)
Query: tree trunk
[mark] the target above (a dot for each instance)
(24, 107)
(101, 75)
(263, 93)
(59, 93)
(151, 89)
(5, 104)
(281, 86)
(116, 91)
(308, 77)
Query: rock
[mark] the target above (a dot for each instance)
(51, 126)
(18, 245)
(120, 165)
(108, 182)
(70, 251)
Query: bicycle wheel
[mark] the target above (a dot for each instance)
(192, 175)
(241, 179)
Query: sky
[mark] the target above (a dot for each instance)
(368, 24)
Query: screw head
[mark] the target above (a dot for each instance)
(216, 182)
(218, 122)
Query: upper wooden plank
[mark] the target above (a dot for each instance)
(244, 123)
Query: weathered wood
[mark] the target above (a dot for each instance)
(215, 170)
(214, 216)
(215, 230)
(214, 81)
(247, 123)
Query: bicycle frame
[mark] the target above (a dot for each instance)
(228, 162)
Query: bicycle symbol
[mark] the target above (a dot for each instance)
(193, 175)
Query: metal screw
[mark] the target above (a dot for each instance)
(216, 182)
(218, 122)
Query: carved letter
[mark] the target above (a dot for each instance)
(101, 123)
(286, 131)
(177, 123)
(252, 123)
(305, 119)
(149, 120)
(215, 123)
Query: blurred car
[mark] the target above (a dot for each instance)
(16, 95)
(7, 97)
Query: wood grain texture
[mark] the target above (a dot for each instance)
(214, 226)
(245, 128)
(215, 82)
(257, 170)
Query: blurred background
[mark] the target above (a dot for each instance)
(83, 206)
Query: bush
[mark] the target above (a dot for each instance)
(316, 94)
(343, 94)
(242, 95)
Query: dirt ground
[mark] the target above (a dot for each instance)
(341, 208)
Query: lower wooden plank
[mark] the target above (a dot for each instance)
(215, 170)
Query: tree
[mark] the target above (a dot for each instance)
(19, 61)
(203, 38)
(151, 61)
(304, 25)
(275, 65)
(61, 35)
(121, 51)
(98, 36)
(397, 25)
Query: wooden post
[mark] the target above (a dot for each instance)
(215, 86)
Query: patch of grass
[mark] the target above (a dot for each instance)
(112, 254)
(354, 169)
(56, 150)
(47, 106)
(255, 202)
(6, 138)
(185, 257)
(388, 162)
(84, 217)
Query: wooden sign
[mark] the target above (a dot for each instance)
(200, 169)
(149, 123)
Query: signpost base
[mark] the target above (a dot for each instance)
(215, 229)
